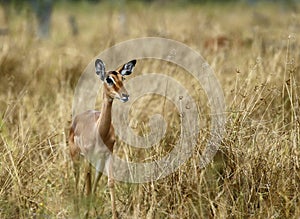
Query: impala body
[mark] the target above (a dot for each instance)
(92, 134)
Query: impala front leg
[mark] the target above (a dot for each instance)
(88, 170)
(98, 173)
(111, 186)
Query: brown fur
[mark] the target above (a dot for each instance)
(92, 135)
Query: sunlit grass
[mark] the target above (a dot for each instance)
(254, 175)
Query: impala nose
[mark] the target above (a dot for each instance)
(125, 97)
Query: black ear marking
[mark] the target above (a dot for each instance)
(100, 69)
(128, 68)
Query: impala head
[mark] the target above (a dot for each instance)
(113, 80)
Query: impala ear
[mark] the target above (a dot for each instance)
(100, 69)
(127, 68)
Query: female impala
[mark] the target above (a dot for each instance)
(92, 133)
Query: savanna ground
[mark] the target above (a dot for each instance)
(254, 52)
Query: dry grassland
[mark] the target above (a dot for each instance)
(255, 55)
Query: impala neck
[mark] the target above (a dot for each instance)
(105, 116)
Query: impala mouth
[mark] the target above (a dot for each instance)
(124, 99)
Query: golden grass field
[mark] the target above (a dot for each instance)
(255, 174)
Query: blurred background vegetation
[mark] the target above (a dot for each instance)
(42, 9)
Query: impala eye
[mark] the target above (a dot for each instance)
(110, 81)
(123, 78)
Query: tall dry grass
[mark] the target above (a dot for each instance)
(256, 172)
